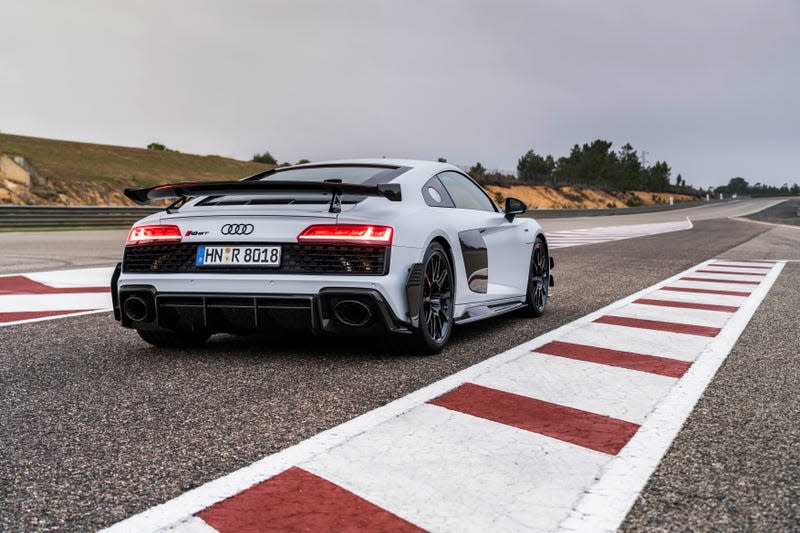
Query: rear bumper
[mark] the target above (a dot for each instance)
(245, 313)
(246, 302)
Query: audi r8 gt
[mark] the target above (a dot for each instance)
(343, 247)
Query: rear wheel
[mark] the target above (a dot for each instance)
(436, 302)
(173, 339)
(538, 280)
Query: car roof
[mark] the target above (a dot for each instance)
(412, 163)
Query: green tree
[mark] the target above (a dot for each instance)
(656, 177)
(442, 160)
(629, 177)
(157, 147)
(739, 185)
(534, 168)
(303, 162)
(266, 157)
(477, 171)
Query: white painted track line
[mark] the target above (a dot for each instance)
(578, 237)
(192, 525)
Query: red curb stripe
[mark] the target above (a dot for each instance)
(740, 266)
(734, 273)
(590, 430)
(653, 364)
(297, 500)
(705, 291)
(737, 282)
(27, 315)
(25, 285)
(672, 327)
(687, 305)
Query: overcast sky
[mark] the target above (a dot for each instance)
(712, 87)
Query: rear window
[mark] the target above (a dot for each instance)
(355, 174)
(361, 174)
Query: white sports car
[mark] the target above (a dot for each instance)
(343, 247)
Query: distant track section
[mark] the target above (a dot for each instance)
(578, 237)
(34, 217)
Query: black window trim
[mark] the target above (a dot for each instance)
(447, 200)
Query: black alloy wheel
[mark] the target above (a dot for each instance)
(538, 280)
(436, 312)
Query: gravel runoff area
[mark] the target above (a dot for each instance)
(787, 212)
(735, 465)
(96, 426)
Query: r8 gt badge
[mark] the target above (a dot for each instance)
(237, 229)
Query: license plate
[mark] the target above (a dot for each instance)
(267, 256)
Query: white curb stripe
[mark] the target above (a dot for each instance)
(600, 389)
(677, 315)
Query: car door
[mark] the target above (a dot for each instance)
(493, 248)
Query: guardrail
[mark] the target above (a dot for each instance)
(33, 217)
(606, 211)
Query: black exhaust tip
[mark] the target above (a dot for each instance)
(352, 313)
(136, 309)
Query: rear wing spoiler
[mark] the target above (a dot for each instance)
(182, 191)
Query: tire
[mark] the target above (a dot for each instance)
(173, 339)
(538, 280)
(436, 301)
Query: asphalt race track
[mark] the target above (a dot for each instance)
(96, 426)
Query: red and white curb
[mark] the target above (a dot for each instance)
(46, 295)
(578, 237)
(560, 433)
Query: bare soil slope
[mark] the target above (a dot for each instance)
(540, 197)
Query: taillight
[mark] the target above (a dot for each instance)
(159, 233)
(347, 233)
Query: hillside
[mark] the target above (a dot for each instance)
(74, 173)
(36, 171)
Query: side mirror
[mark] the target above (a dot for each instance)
(514, 207)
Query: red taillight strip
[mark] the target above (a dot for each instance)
(154, 232)
(348, 233)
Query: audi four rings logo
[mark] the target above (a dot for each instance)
(237, 229)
